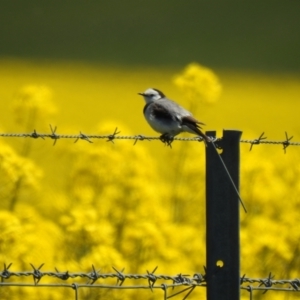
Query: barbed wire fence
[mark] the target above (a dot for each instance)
(116, 136)
(125, 281)
(165, 283)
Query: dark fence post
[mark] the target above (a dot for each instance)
(222, 218)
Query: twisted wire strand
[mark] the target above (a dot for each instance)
(197, 280)
(270, 142)
(115, 136)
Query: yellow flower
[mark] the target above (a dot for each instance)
(15, 169)
(197, 81)
(33, 103)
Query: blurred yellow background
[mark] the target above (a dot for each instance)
(79, 65)
(73, 205)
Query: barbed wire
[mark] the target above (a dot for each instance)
(115, 136)
(188, 282)
(181, 280)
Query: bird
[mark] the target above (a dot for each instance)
(169, 118)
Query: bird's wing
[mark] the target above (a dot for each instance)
(174, 108)
(159, 111)
(184, 117)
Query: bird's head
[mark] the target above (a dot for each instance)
(151, 95)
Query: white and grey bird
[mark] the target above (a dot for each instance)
(168, 118)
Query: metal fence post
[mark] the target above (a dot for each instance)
(222, 219)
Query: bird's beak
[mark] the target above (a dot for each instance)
(142, 94)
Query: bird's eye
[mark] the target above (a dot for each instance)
(151, 95)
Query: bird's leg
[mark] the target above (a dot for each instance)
(167, 139)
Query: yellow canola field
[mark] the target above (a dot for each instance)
(72, 206)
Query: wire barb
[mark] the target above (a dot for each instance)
(152, 278)
(5, 272)
(35, 135)
(267, 282)
(111, 137)
(120, 277)
(84, 137)
(53, 134)
(286, 143)
(257, 141)
(37, 275)
(140, 138)
(94, 275)
(63, 276)
(295, 284)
